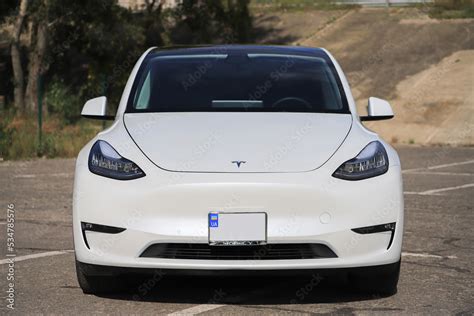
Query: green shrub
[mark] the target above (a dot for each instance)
(453, 9)
(24, 140)
(454, 4)
(61, 100)
(5, 134)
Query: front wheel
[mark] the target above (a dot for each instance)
(380, 280)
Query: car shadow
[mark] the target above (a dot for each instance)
(243, 290)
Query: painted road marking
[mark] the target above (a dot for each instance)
(197, 309)
(426, 255)
(436, 191)
(442, 173)
(35, 256)
(25, 176)
(30, 176)
(440, 166)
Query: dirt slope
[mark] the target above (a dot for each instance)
(292, 26)
(424, 67)
(437, 103)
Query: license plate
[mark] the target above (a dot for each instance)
(237, 229)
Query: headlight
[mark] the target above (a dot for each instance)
(370, 162)
(105, 161)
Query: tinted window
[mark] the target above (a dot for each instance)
(237, 82)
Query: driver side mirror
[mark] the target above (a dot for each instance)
(377, 110)
(96, 109)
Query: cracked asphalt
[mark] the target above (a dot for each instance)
(436, 274)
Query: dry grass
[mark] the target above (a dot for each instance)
(20, 137)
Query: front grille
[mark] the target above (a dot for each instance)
(260, 252)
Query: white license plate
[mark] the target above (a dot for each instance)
(236, 229)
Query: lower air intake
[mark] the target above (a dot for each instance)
(260, 252)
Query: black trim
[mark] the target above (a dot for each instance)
(375, 229)
(100, 270)
(376, 118)
(85, 226)
(245, 252)
(101, 228)
(85, 238)
(100, 117)
(389, 227)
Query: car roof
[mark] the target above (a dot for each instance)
(237, 50)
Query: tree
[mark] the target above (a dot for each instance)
(152, 23)
(18, 75)
(211, 21)
(81, 40)
(26, 99)
(36, 65)
(88, 47)
(239, 20)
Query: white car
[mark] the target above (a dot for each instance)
(238, 159)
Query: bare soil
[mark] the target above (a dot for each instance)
(423, 66)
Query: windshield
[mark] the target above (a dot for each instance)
(237, 83)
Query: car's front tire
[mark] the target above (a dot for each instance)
(97, 284)
(379, 280)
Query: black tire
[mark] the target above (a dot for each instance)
(378, 280)
(98, 284)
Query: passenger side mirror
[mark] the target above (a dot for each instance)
(377, 110)
(96, 109)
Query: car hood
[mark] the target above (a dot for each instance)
(238, 142)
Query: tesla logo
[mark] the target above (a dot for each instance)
(238, 162)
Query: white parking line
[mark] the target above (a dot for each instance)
(26, 176)
(197, 309)
(451, 164)
(443, 173)
(59, 174)
(426, 255)
(34, 256)
(440, 166)
(436, 191)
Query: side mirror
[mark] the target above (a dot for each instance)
(96, 109)
(378, 110)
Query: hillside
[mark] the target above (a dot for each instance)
(423, 66)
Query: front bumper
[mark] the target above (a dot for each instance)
(100, 270)
(310, 207)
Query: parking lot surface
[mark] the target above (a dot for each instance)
(436, 274)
